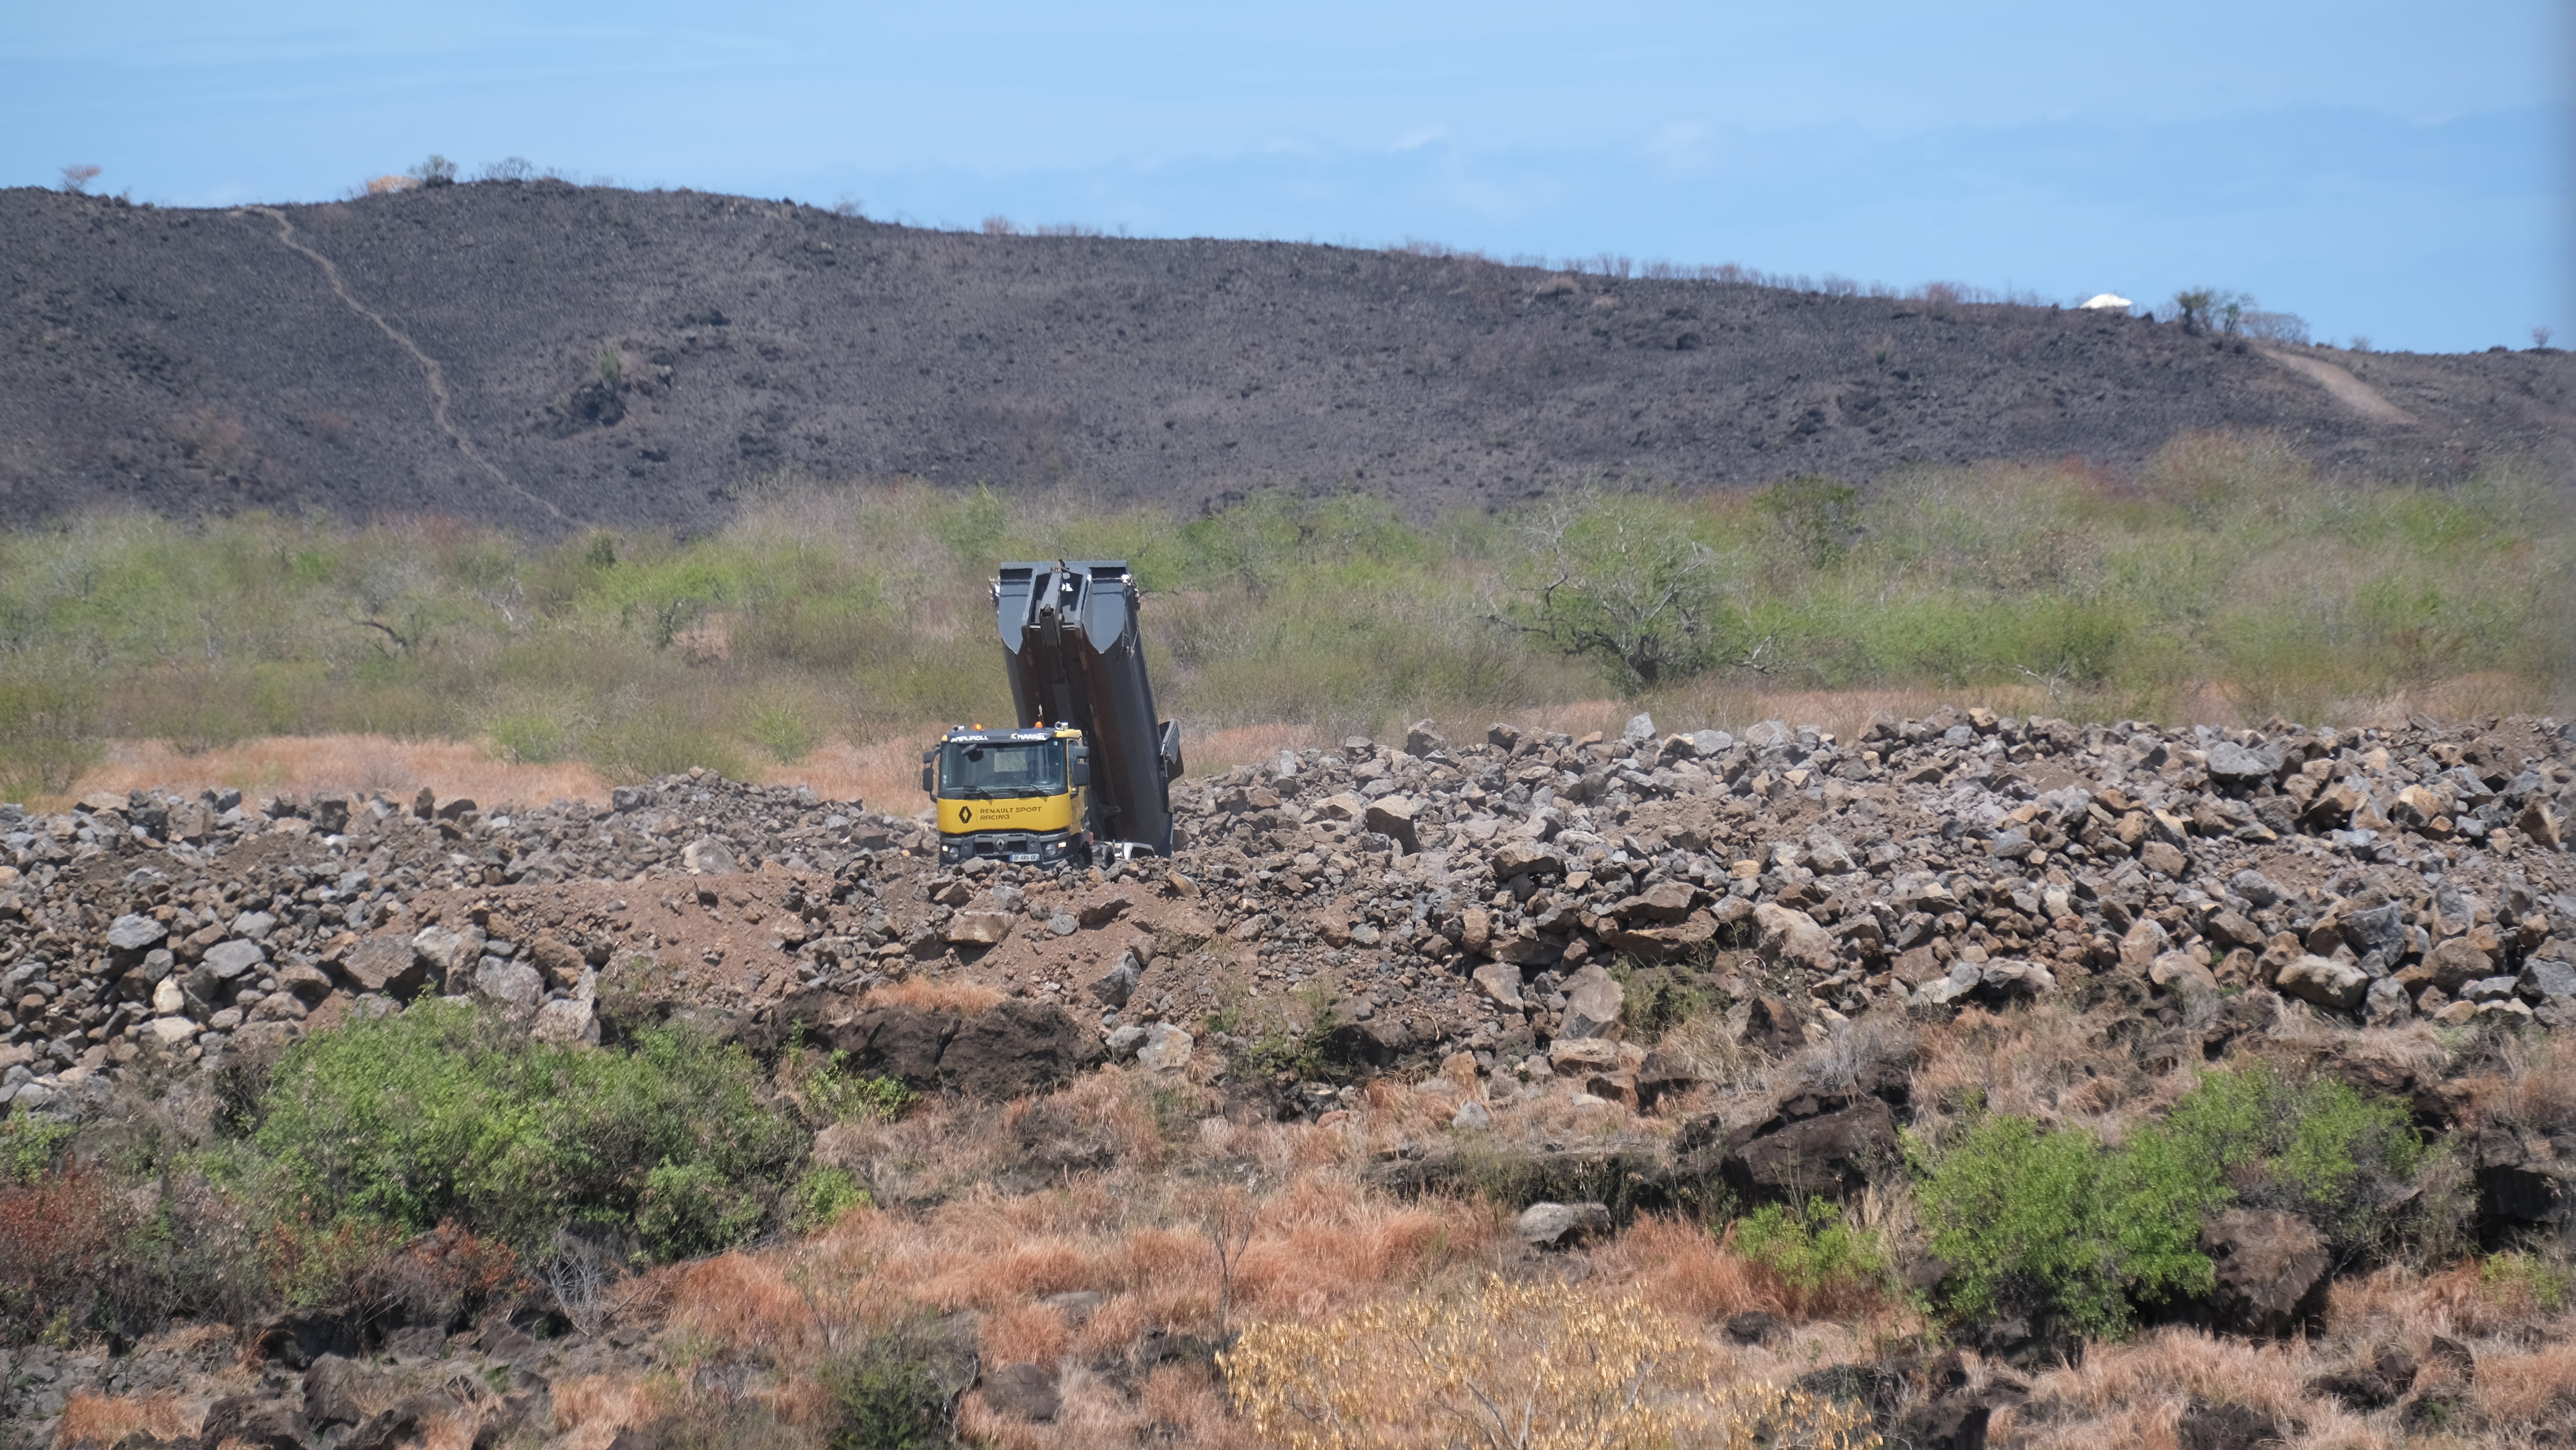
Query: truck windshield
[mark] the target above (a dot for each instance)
(1000, 770)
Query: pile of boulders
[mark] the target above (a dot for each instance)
(2376, 875)
(145, 923)
(1437, 900)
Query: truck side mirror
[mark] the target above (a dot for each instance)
(926, 787)
(1081, 767)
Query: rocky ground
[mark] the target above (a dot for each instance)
(1402, 942)
(1432, 898)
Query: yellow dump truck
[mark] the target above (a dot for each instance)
(1087, 768)
(1016, 795)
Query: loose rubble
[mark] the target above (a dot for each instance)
(1429, 900)
(1485, 919)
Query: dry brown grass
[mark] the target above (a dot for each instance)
(884, 775)
(929, 994)
(93, 1418)
(359, 764)
(751, 1303)
(1682, 1268)
(2039, 1064)
(2534, 1387)
(2522, 1392)
(2532, 1084)
(1137, 1234)
(591, 1411)
(1219, 751)
(2460, 1301)
(2135, 1393)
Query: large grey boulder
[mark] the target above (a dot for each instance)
(707, 856)
(515, 986)
(1593, 1001)
(1501, 983)
(2325, 982)
(387, 964)
(567, 1021)
(980, 928)
(1119, 983)
(1561, 1225)
(230, 959)
(2236, 768)
(1392, 817)
(135, 934)
(1166, 1048)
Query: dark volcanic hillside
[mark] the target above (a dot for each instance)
(203, 360)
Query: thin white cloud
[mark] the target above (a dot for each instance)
(1683, 148)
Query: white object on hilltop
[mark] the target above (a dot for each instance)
(2104, 301)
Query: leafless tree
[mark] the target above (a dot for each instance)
(589, 1284)
(1227, 1221)
(77, 177)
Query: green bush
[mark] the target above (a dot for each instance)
(2058, 1222)
(2547, 1282)
(694, 1208)
(1818, 516)
(2308, 1145)
(826, 1090)
(440, 1112)
(1660, 998)
(2053, 1223)
(888, 1393)
(1816, 1250)
(820, 1198)
(29, 1146)
(49, 727)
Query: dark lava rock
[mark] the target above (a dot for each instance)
(1024, 1392)
(2272, 1271)
(2206, 1426)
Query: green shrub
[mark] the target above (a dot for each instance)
(535, 735)
(50, 721)
(441, 1112)
(1817, 515)
(2309, 1145)
(1817, 1251)
(822, 1196)
(889, 1393)
(828, 1092)
(29, 1146)
(831, 609)
(783, 730)
(2546, 1282)
(2052, 1223)
(694, 1208)
(1660, 998)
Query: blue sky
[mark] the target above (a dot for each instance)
(2402, 172)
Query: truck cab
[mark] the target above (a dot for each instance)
(1015, 795)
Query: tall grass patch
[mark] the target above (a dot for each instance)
(850, 611)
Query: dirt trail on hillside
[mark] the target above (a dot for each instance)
(431, 373)
(2348, 390)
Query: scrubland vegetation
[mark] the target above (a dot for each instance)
(2224, 571)
(434, 1171)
